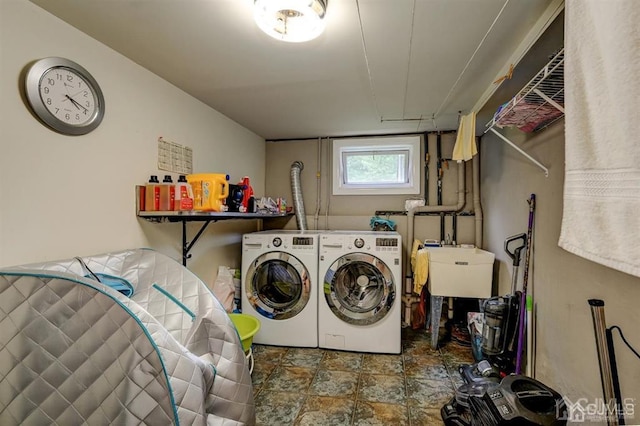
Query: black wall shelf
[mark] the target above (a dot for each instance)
(197, 216)
(206, 218)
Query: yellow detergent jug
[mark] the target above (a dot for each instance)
(209, 191)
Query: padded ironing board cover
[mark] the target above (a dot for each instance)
(208, 380)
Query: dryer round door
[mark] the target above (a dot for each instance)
(359, 288)
(278, 285)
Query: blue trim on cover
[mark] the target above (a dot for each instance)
(117, 283)
(126, 308)
(175, 300)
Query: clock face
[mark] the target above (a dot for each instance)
(64, 96)
(67, 96)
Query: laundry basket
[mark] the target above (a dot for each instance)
(247, 327)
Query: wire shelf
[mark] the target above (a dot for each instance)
(539, 103)
(536, 106)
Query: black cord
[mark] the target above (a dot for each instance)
(615, 327)
(84, 265)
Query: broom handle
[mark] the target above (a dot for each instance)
(523, 299)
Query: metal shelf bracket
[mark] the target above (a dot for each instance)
(517, 148)
(188, 245)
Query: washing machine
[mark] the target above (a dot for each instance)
(279, 286)
(359, 300)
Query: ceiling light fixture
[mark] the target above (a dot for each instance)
(291, 20)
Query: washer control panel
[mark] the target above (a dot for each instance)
(387, 244)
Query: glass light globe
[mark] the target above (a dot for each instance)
(291, 20)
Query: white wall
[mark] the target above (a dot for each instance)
(561, 282)
(63, 196)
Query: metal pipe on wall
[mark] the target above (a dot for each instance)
(318, 182)
(426, 168)
(296, 193)
(454, 228)
(477, 206)
(439, 166)
(408, 298)
(440, 176)
(606, 375)
(429, 209)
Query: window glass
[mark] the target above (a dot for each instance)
(372, 166)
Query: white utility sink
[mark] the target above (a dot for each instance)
(457, 272)
(460, 272)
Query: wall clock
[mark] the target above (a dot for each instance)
(64, 96)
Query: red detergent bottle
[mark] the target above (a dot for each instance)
(247, 192)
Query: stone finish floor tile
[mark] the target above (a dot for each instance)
(380, 414)
(429, 393)
(342, 361)
(303, 357)
(425, 367)
(268, 353)
(425, 416)
(334, 383)
(326, 410)
(278, 408)
(289, 379)
(382, 364)
(261, 372)
(382, 388)
(312, 386)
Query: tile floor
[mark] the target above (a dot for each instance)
(301, 386)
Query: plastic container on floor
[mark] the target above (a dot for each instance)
(247, 327)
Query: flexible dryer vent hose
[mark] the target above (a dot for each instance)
(296, 193)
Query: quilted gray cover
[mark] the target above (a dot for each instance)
(73, 350)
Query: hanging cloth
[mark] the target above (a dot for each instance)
(600, 219)
(465, 147)
(419, 266)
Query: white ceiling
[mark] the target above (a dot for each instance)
(381, 66)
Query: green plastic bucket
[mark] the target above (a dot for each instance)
(247, 327)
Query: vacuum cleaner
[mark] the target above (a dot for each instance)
(498, 340)
(516, 400)
(500, 322)
(501, 313)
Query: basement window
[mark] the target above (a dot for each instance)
(376, 166)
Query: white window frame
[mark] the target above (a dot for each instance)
(343, 147)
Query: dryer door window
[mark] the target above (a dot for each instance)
(278, 285)
(359, 288)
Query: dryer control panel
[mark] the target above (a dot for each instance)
(297, 243)
(303, 241)
(387, 244)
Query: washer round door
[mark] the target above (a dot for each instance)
(278, 285)
(359, 288)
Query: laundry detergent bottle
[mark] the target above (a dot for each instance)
(209, 191)
(152, 194)
(167, 194)
(184, 195)
(247, 192)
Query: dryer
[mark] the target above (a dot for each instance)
(359, 301)
(279, 286)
